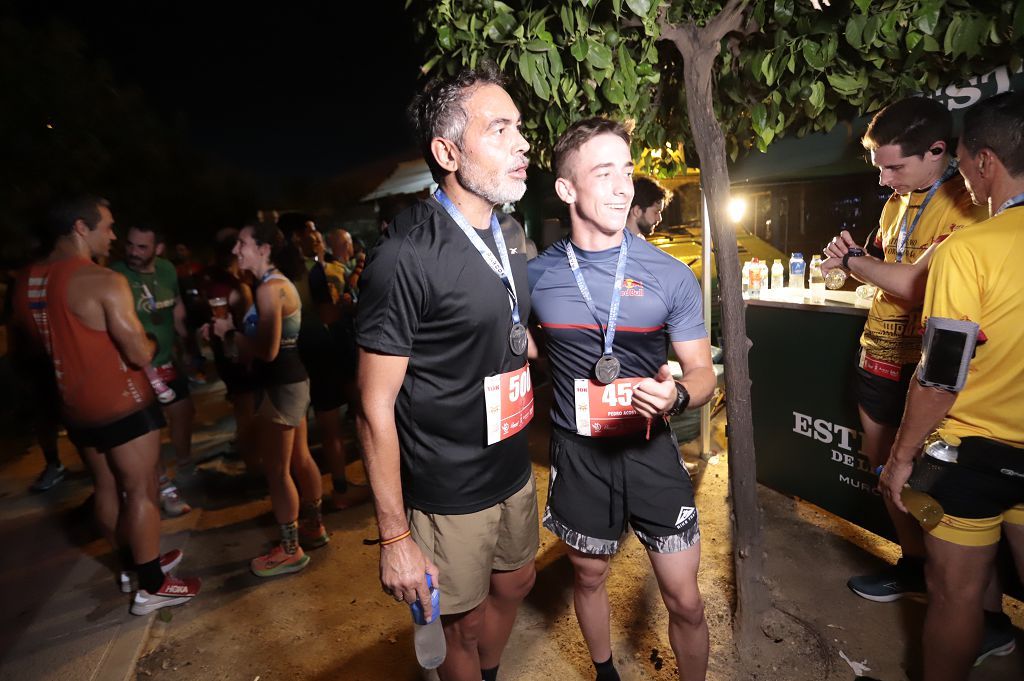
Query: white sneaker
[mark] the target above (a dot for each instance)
(172, 503)
(173, 591)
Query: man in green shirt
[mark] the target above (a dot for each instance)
(154, 284)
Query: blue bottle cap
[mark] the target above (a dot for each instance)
(797, 255)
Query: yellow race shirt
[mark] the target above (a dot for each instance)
(891, 333)
(974, 275)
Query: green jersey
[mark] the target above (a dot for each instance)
(155, 294)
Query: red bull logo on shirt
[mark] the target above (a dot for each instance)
(632, 287)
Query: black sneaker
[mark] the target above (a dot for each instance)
(998, 638)
(905, 578)
(49, 478)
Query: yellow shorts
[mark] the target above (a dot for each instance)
(977, 531)
(468, 548)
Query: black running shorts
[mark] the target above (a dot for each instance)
(884, 399)
(598, 485)
(106, 437)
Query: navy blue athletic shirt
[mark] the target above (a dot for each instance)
(661, 300)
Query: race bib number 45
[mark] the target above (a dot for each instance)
(509, 401)
(607, 410)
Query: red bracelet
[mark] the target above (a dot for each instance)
(385, 542)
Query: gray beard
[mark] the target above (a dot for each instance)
(496, 193)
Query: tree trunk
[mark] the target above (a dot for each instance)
(752, 597)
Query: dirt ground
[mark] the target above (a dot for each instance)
(333, 622)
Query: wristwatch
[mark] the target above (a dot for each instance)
(682, 399)
(855, 252)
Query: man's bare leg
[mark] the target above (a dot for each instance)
(134, 464)
(590, 598)
(462, 640)
(957, 577)
(107, 499)
(508, 589)
(180, 417)
(687, 628)
(876, 445)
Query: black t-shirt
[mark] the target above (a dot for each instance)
(428, 295)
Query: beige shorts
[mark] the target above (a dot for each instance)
(468, 548)
(284, 404)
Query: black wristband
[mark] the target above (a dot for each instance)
(855, 252)
(682, 399)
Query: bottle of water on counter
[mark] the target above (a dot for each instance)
(745, 279)
(755, 273)
(817, 281)
(428, 636)
(796, 270)
(764, 274)
(777, 274)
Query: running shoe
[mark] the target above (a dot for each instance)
(173, 591)
(49, 478)
(168, 562)
(904, 579)
(279, 562)
(998, 638)
(172, 503)
(312, 536)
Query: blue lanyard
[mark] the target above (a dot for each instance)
(1011, 202)
(901, 241)
(613, 307)
(502, 269)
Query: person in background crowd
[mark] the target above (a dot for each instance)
(617, 466)
(969, 385)
(326, 350)
(196, 311)
(159, 307)
(439, 319)
(649, 200)
(226, 285)
(36, 385)
(84, 317)
(270, 343)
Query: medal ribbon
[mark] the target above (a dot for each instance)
(613, 307)
(502, 269)
(1011, 202)
(901, 242)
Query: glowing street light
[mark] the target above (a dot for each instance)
(737, 208)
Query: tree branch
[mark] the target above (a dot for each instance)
(728, 20)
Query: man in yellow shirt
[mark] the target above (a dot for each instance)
(974, 300)
(909, 142)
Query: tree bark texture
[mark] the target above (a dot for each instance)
(699, 47)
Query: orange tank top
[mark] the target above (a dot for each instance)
(96, 386)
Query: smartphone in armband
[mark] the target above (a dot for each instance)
(946, 353)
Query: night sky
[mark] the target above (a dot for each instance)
(308, 89)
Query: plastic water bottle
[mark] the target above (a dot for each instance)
(764, 274)
(754, 287)
(777, 274)
(428, 636)
(816, 281)
(745, 279)
(796, 270)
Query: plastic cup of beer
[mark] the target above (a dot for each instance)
(219, 307)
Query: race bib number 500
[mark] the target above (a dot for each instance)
(607, 410)
(509, 401)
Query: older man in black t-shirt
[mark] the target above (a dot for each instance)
(444, 382)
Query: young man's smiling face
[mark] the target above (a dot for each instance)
(600, 189)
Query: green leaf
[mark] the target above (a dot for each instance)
(627, 69)
(930, 44)
(927, 17)
(537, 46)
(599, 56)
(812, 55)
(500, 27)
(444, 38)
(758, 117)
(568, 19)
(863, 5)
(844, 83)
(855, 30)
(617, 7)
(641, 8)
(913, 38)
(526, 68)
(555, 63)
(613, 91)
(951, 32)
(579, 49)
(817, 98)
(783, 12)
(767, 70)
(871, 30)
